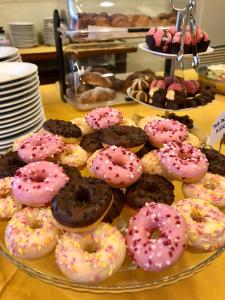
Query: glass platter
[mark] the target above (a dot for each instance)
(144, 47)
(163, 109)
(127, 279)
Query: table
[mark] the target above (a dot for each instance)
(208, 284)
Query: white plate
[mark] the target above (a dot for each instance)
(21, 24)
(163, 109)
(23, 87)
(17, 58)
(19, 82)
(26, 92)
(17, 101)
(8, 52)
(22, 126)
(143, 46)
(16, 119)
(34, 128)
(4, 112)
(11, 71)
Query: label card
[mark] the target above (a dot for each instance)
(218, 130)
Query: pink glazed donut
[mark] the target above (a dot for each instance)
(182, 161)
(117, 166)
(103, 117)
(160, 131)
(40, 146)
(156, 254)
(37, 183)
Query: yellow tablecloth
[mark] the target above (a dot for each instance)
(208, 284)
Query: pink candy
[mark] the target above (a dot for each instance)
(160, 253)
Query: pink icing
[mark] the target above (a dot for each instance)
(37, 183)
(161, 131)
(161, 253)
(199, 34)
(192, 86)
(183, 161)
(152, 31)
(40, 146)
(206, 36)
(103, 117)
(177, 37)
(158, 37)
(177, 86)
(172, 30)
(158, 83)
(117, 166)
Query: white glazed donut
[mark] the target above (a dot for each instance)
(211, 188)
(91, 256)
(31, 233)
(8, 205)
(205, 224)
(74, 156)
(151, 164)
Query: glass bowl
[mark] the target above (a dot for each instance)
(128, 279)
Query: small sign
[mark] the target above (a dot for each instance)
(218, 130)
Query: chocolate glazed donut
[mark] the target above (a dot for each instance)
(149, 188)
(9, 163)
(124, 136)
(82, 203)
(63, 128)
(116, 207)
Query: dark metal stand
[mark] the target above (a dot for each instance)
(59, 54)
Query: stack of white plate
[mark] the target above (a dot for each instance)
(21, 109)
(48, 32)
(9, 54)
(23, 34)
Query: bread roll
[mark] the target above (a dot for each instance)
(96, 79)
(97, 94)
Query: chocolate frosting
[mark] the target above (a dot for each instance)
(124, 136)
(149, 188)
(63, 128)
(216, 161)
(91, 142)
(9, 163)
(81, 203)
(116, 207)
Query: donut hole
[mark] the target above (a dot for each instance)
(35, 224)
(196, 216)
(155, 234)
(82, 195)
(118, 162)
(38, 178)
(91, 247)
(184, 155)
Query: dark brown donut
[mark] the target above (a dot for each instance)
(124, 136)
(116, 207)
(149, 188)
(81, 203)
(71, 172)
(9, 163)
(63, 128)
(186, 120)
(216, 161)
(91, 142)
